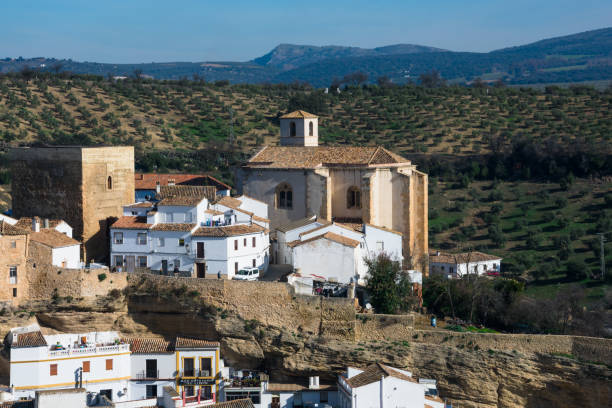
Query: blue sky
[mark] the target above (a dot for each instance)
(236, 30)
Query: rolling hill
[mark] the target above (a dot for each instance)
(573, 58)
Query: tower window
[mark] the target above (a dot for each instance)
(292, 130)
(284, 196)
(109, 183)
(310, 129)
(353, 198)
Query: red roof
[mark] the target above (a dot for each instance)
(148, 181)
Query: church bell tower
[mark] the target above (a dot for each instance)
(299, 128)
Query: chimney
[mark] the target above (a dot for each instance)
(35, 224)
(157, 187)
(313, 382)
(46, 223)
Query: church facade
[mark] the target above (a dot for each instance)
(351, 184)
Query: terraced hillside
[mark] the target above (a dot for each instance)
(550, 151)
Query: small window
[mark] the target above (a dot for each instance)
(292, 129)
(85, 366)
(206, 367)
(244, 242)
(353, 197)
(284, 196)
(109, 183)
(142, 238)
(161, 242)
(118, 237)
(142, 261)
(236, 267)
(109, 364)
(53, 369)
(311, 129)
(151, 391)
(254, 242)
(181, 242)
(254, 263)
(13, 244)
(13, 271)
(118, 260)
(236, 244)
(14, 292)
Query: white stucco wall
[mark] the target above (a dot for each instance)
(257, 207)
(71, 255)
(64, 228)
(326, 258)
(462, 269)
(166, 366)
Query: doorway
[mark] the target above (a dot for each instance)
(165, 266)
(201, 270)
(130, 263)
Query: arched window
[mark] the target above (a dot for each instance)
(310, 129)
(292, 131)
(109, 183)
(353, 197)
(284, 196)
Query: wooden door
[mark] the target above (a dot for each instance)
(130, 263)
(165, 266)
(201, 270)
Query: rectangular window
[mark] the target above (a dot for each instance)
(13, 244)
(207, 392)
(206, 367)
(236, 244)
(177, 263)
(189, 391)
(380, 246)
(254, 263)
(53, 369)
(14, 292)
(151, 391)
(189, 367)
(181, 242)
(109, 364)
(244, 242)
(151, 368)
(86, 366)
(142, 261)
(254, 242)
(13, 271)
(236, 267)
(118, 237)
(118, 260)
(142, 238)
(161, 242)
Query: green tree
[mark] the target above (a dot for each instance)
(576, 270)
(388, 287)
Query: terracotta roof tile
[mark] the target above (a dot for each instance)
(260, 219)
(241, 403)
(26, 222)
(213, 212)
(30, 339)
(131, 222)
(228, 231)
(53, 238)
(229, 202)
(149, 345)
(148, 181)
(185, 342)
(173, 227)
(298, 114)
(330, 236)
(464, 257)
(8, 229)
(207, 192)
(373, 373)
(310, 157)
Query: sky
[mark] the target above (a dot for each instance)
(131, 31)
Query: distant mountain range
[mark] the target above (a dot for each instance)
(579, 57)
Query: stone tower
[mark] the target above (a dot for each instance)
(84, 186)
(299, 128)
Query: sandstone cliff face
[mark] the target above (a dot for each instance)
(472, 370)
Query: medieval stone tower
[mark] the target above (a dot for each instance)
(84, 186)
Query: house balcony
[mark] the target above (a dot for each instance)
(195, 374)
(147, 375)
(88, 350)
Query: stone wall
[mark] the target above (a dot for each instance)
(13, 256)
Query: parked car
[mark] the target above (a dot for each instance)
(249, 274)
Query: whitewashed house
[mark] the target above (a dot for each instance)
(457, 265)
(37, 224)
(379, 385)
(335, 251)
(186, 233)
(65, 252)
(190, 366)
(96, 361)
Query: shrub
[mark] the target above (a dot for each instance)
(101, 277)
(576, 270)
